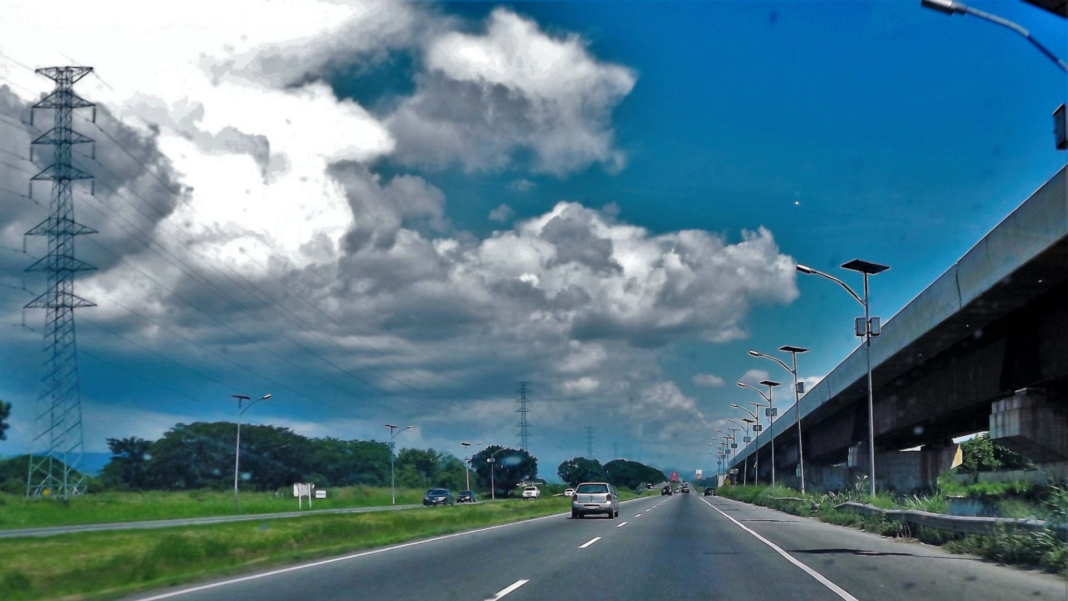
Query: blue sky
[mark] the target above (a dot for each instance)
(878, 130)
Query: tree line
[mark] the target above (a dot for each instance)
(201, 456)
(618, 472)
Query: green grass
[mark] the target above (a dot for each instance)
(106, 565)
(95, 508)
(1007, 545)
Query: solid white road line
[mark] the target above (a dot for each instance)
(621, 525)
(595, 539)
(205, 587)
(819, 577)
(503, 592)
(337, 559)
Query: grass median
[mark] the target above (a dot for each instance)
(105, 507)
(107, 565)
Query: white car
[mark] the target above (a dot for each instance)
(531, 492)
(570, 492)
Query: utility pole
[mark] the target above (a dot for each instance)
(589, 442)
(524, 434)
(57, 418)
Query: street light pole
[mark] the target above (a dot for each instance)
(870, 328)
(794, 351)
(392, 475)
(467, 463)
(771, 416)
(237, 447)
(493, 464)
(746, 440)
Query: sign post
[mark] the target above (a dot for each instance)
(303, 490)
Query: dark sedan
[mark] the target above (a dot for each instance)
(710, 492)
(438, 496)
(466, 496)
(665, 491)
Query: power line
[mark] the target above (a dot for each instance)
(268, 298)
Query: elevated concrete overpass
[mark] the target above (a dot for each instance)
(984, 347)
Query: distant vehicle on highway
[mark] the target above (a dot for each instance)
(665, 491)
(685, 488)
(569, 492)
(649, 486)
(438, 496)
(595, 498)
(467, 496)
(710, 492)
(531, 492)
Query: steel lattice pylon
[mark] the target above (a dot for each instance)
(522, 411)
(57, 421)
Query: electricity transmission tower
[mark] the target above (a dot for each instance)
(57, 446)
(522, 411)
(589, 442)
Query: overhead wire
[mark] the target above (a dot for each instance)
(100, 78)
(252, 286)
(169, 188)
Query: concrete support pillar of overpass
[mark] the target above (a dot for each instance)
(1035, 426)
(903, 471)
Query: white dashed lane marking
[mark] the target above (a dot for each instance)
(510, 589)
(621, 525)
(595, 539)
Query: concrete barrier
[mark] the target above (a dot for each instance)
(954, 523)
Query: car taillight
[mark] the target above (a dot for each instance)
(608, 498)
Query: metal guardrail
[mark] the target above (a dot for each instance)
(955, 523)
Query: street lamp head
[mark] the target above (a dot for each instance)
(265, 397)
(754, 354)
(742, 385)
(866, 266)
(241, 397)
(390, 426)
(770, 383)
(735, 405)
(797, 350)
(410, 427)
(747, 420)
(806, 269)
(943, 6)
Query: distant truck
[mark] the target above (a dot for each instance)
(674, 476)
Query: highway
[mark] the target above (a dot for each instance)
(677, 547)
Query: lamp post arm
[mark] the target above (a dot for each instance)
(756, 390)
(840, 283)
(1018, 29)
(777, 360)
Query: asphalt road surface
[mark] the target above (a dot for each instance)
(678, 547)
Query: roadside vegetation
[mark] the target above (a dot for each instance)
(16, 511)
(1042, 550)
(107, 565)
